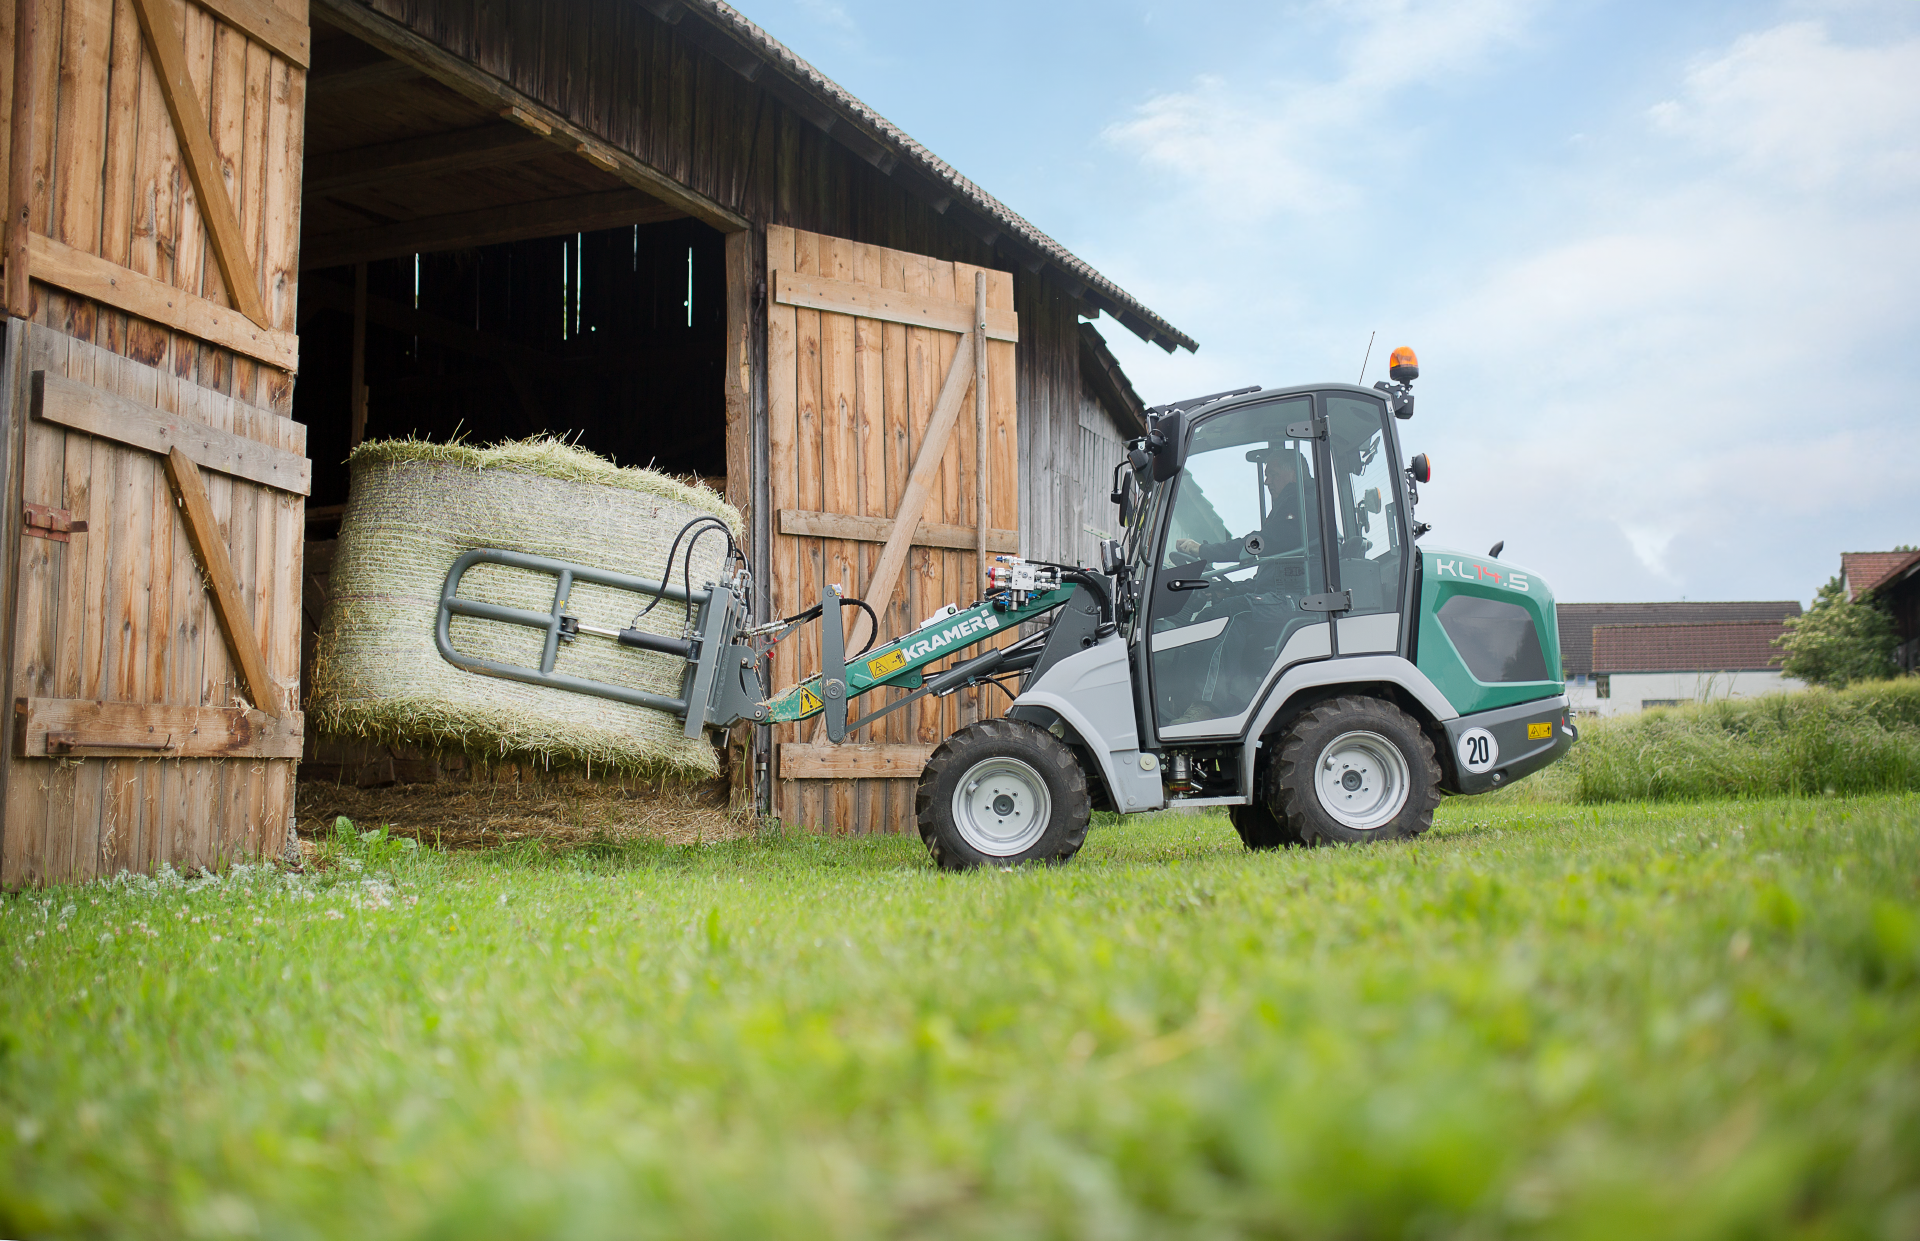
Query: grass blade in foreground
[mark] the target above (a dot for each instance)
(1696, 1020)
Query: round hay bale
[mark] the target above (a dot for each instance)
(415, 508)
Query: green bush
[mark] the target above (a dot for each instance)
(1863, 739)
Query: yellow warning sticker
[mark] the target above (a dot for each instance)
(887, 664)
(1539, 732)
(809, 701)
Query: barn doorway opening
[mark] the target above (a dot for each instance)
(468, 274)
(611, 338)
(465, 274)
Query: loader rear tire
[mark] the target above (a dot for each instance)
(1000, 793)
(1353, 770)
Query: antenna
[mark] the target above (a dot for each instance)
(1368, 358)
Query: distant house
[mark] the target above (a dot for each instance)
(1893, 578)
(1624, 657)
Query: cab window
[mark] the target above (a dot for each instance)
(1366, 504)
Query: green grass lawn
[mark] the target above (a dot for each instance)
(1696, 1020)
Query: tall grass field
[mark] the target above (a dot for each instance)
(1688, 1020)
(1811, 743)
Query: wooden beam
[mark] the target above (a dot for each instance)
(872, 302)
(876, 529)
(582, 213)
(432, 156)
(166, 46)
(204, 533)
(92, 411)
(125, 289)
(360, 78)
(80, 728)
(526, 120)
(26, 71)
(737, 372)
(1101, 371)
(357, 374)
(980, 515)
(913, 499)
(265, 23)
(397, 41)
(803, 761)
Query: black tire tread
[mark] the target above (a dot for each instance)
(1291, 790)
(983, 739)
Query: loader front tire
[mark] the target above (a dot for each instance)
(1356, 769)
(999, 793)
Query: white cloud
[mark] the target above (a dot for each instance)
(1281, 144)
(1790, 103)
(1677, 365)
(1696, 358)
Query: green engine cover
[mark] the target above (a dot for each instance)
(1489, 634)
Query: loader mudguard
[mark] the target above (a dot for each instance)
(1355, 670)
(1091, 691)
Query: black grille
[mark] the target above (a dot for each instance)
(1497, 639)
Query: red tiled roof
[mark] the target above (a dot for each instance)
(1862, 571)
(1727, 646)
(1577, 621)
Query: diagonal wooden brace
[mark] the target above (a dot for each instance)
(166, 45)
(204, 533)
(913, 499)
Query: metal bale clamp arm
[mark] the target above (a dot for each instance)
(717, 613)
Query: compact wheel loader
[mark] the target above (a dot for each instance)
(1265, 636)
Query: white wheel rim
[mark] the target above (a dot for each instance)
(1361, 780)
(1001, 807)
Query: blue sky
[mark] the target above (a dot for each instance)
(1660, 261)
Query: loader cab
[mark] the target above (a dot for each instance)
(1283, 536)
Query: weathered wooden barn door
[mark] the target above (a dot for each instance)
(154, 495)
(861, 341)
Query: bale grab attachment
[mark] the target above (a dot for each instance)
(721, 684)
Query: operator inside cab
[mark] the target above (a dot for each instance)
(1282, 528)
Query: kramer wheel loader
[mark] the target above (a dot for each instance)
(1265, 636)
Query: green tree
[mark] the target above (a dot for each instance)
(1838, 642)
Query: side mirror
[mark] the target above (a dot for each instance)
(1168, 444)
(1111, 561)
(1124, 491)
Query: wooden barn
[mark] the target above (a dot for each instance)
(244, 234)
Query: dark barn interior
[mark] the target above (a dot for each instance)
(487, 283)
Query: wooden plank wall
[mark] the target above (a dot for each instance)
(120, 614)
(849, 401)
(112, 183)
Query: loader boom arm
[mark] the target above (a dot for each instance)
(900, 663)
